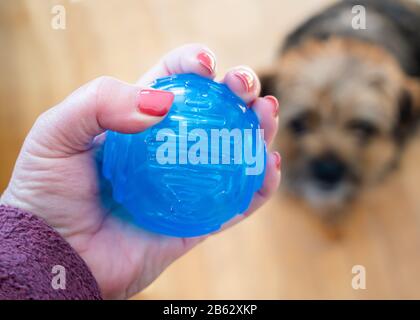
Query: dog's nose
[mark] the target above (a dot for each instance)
(328, 170)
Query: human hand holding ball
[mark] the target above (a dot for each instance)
(64, 189)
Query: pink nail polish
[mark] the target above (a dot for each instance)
(207, 61)
(277, 160)
(155, 102)
(246, 77)
(275, 103)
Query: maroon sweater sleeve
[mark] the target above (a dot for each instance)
(37, 263)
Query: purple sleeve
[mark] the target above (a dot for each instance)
(33, 257)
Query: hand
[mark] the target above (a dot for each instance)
(55, 176)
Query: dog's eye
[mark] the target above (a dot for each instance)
(362, 128)
(299, 125)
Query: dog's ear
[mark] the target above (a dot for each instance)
(269, 79)
(409, 108)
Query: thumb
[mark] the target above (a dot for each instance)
(102, 104)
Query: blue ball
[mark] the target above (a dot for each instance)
(196, 169)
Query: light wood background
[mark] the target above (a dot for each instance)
(283, 251)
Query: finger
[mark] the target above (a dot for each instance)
(244, 82)
(191, 58)
(105, 103)
(270, 185)
(267, 110)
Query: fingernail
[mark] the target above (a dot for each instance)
(275, 103)
(207, 61)
(155, 102)
(277, 160)
(246, 77)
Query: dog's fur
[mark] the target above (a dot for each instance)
(349, 99)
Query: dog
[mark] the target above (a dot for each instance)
(350, 99)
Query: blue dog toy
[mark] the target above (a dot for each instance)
(197, 168)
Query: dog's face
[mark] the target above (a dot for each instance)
(344, 107)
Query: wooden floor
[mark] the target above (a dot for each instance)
(283, 251)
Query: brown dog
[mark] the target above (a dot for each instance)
(350, 99)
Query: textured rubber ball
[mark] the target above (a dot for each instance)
(197, 168)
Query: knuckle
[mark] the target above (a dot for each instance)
(99, 87)
(100, 83)
(43, 119)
